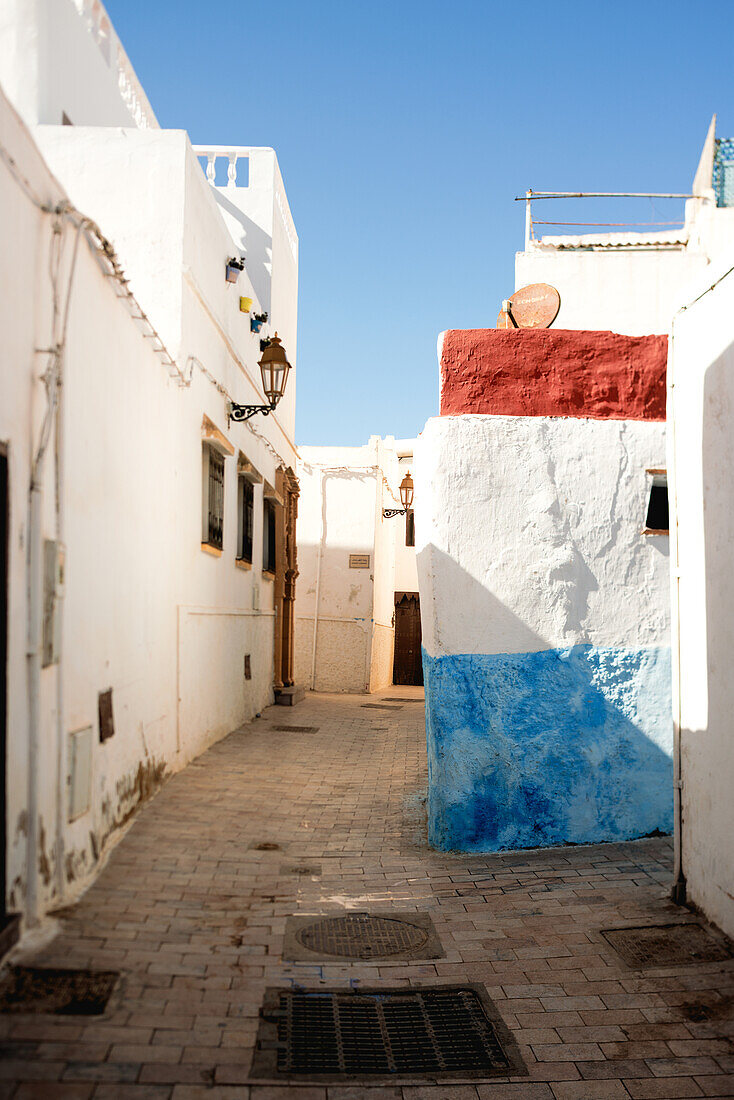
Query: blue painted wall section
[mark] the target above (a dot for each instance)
(560, 746)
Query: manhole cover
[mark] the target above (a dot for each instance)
(296, 729)
(361, 936)
(59, 992)
(666, 945)
(334, 1035)
(379, 706)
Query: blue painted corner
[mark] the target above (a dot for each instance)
(560, 746)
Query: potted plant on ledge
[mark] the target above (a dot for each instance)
(235, 265)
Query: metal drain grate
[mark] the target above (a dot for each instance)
(361, 936)
(395, 699)
(296, 729)
(666, 945)
(379, 706)
(351, 1034)
(265, 846)
(59, 992)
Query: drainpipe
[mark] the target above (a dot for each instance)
(678, 888)
(58, 613)
(318, 580)
(35, 633)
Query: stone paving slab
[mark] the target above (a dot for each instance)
(193, 910)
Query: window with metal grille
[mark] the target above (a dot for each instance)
(409, 529)
(245, 518)
(269, 536)
(214, 482)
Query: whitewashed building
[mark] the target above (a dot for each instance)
(701, 474)
(543, 556)
(357, 610)
(630, 282)
(148, 542)
(544, 591)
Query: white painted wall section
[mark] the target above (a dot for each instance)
(529, 534)
(701, 407)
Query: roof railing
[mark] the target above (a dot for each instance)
(531, 196)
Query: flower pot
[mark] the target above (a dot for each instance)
(255, 326)
(245, 305)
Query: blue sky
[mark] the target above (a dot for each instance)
(405, 129)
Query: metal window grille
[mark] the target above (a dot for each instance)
(246, 519)
(269, 536)
(724, 172)
(215, 511)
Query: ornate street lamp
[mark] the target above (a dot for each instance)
(406, 498)
(274, 368)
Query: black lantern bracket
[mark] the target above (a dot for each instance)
(244, 412)
(406, 499)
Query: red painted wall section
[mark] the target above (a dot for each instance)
(553, 372)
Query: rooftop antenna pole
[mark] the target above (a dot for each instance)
(528, 219)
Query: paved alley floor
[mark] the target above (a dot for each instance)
(192, 910)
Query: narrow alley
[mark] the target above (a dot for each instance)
(319, 810)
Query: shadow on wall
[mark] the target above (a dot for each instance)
(546, 746)
(257, 246)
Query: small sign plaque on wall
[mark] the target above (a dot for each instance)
(359, 561)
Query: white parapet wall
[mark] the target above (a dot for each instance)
(62, 62)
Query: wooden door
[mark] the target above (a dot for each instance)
(286, 571)
(407, 663)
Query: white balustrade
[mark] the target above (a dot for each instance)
(98, 24)
(232, 154)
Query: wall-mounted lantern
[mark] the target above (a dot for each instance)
(274, 368)
(235, 266)
(406, 498)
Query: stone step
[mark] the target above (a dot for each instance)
(289, 696)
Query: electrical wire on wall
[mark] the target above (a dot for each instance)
(65, 215)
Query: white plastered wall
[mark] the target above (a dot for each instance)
(56, 58)
(701, 365)
(406, 570)
(528, 534)
(629, 291)
(344, 616)
(146, 611)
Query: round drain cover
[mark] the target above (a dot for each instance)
(360, 936)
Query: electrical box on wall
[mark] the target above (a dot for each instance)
(53, 590)
(80, 772)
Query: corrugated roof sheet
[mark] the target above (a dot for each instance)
(673, 238)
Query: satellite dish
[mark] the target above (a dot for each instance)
(533, 306)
